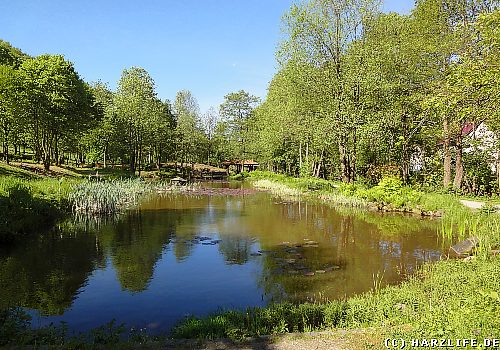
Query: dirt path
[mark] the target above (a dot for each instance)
(336, 340)
(472, 204)
(476, 205)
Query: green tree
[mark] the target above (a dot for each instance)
(11, 56)
(58, 103)
(10, 107)
(135, 103)
(237, 110)
(190, 136)
(319, 33)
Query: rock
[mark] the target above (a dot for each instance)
(290, 261)
(310, 273)
(464, 248)
(400, 307)
(320, 271)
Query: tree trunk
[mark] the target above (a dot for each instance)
(56, 151)
(405, 161)
(105, 155)
(6, 152)
(354, 155)
(300, 156)
(344, 166)
(447, 154)
(459, 166)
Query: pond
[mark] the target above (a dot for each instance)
(181, 255)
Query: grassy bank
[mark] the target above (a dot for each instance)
(32, 201)
(29, 205)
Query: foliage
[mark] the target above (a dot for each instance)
(26, 206)
(58, 104)
(188, 130)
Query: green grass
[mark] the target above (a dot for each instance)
(29, 206)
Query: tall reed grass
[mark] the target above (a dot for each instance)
(277, 188)
(107, 197)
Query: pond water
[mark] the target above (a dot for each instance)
(180, 255)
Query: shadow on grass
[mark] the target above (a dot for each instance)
(8, 170)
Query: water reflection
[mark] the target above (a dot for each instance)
(178, 255)
(46, 273)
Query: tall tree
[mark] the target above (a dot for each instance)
(135, 102)
(210, 121)
(58, 103)
(319, 32)
(237, 110)
(10, 106)
(188, 127)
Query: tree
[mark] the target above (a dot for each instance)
(135, 103)
(11, 56)
(188, 127)
(58, 103)
(319, 33)
(237, 110)
(99, 139)
(161, 132)
(10, 106)
(210, 121)
(447, 39)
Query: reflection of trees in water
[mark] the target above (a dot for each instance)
(362, 246)
(135, 244)
(45, 273)
(236, 249)
(137, 241)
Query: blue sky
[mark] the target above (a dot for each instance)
(211, 47)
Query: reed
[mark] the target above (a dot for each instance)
(107, 197)
(277, 188)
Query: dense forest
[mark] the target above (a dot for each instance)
(359, 94)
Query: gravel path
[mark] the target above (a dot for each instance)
(472, 204)
(337, 340)
(477, 205)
